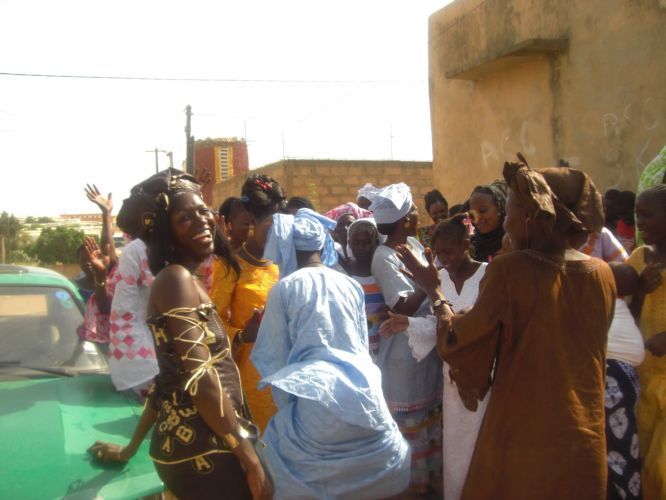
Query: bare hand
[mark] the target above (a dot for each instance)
(109, 452)
(657, 344)
(98, 262)
(426, 276)
(395, 324)
(260, 486)
(104, 204)
(650, 278)
(251, 328)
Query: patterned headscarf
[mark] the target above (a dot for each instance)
(348, 208)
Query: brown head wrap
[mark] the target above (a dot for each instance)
(575, 189)
(535, 194)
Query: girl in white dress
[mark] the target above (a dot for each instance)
(460, 277)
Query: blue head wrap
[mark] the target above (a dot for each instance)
(307, 231)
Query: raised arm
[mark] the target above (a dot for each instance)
(106, 206)
(94, 256)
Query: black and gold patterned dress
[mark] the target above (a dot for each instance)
(191, 460)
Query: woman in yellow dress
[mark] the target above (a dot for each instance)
(239, 297)
(649, 306)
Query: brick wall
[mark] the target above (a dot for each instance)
(329, 183)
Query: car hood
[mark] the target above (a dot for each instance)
(47, 425)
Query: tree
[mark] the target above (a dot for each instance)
(58, 245)
(44, 220)
(29, 220)
(9, 228)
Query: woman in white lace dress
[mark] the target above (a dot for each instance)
(460, 277)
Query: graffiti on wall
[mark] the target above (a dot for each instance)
(629, 135)
(511, 140)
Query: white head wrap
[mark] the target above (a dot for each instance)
(359, 222)
(308, 231)
(391, 203)
(368, 192)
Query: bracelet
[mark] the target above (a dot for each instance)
(441, 302)
(100, 283)
(239, 336)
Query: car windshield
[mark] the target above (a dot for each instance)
(38, 331)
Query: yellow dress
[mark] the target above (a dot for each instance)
(235, 299)
(652, 402)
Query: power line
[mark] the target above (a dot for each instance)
(197, 79)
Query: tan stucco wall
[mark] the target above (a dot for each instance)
(329, 183)
(554, 79)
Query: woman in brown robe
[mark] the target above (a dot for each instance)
(537, 334)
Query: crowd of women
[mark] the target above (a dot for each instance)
(493, 354)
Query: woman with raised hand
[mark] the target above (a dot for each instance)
(459, 277)
(332, 436)
(102, 260)
(537, 335)
(576, 190)
(199, 442)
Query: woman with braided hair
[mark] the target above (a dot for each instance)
(488, 205)
(199, 442)
(240, 296)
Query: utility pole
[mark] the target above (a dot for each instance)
(170, 155)
(157, 161)
(189, 141)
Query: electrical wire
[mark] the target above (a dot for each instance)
(217, 80)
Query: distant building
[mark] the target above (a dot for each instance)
(96, 217)
(217, 160)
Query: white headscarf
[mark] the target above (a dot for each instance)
(368, 192)
(308, 231)
(391, 203)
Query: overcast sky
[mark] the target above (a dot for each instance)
(56, 134)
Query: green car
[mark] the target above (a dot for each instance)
(57, 399)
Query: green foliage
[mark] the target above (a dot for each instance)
(44, 220)
(21, 256)
(9, 225)
(29, 220)
(58, 245)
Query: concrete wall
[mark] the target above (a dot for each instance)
(554, 79)
(329, 183)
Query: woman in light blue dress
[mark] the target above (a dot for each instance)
(333, 435)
